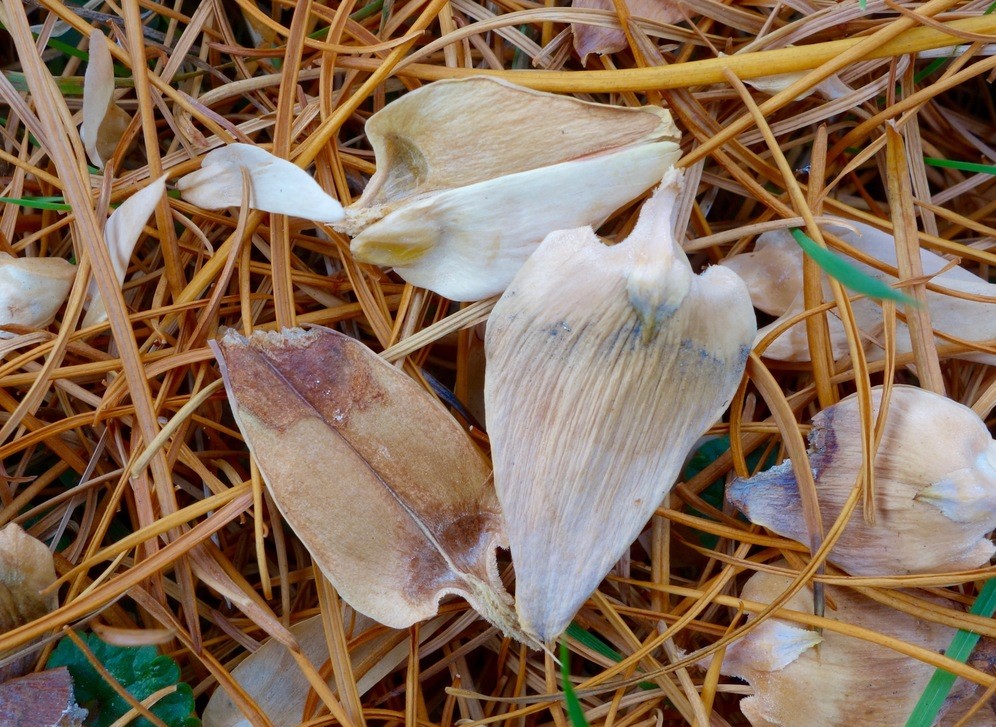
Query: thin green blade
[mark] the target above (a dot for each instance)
(574, 712)
(38, 203)
(846, 274)
(930, 703)
(961, 166)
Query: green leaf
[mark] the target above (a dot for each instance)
(930, 703)
(846, 274)
(69, 50)
(574, 712)
(141, 670)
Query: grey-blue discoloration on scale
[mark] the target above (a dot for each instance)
(559, 328)
(780, 493)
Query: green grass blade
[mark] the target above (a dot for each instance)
(846, 274)
(367, 11)
(67, 49)
(38, 203)
(592, 642)
(574, 712)
(961, 166)
(599, 647)
(932, 699)
(931, 67)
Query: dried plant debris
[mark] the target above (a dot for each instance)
(26, 569)
(270, 674)
(32, 289)
(451, 218)
(831, 88)
(773, 272)
(935, 487)
(121, 233)
(43, 699)
(604, 365)
(257, 112)
(276, 185)
(396, 520)
(597, 39)
(802, 678)
(104, 122)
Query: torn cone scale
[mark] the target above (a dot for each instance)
(454, 210)
(801, 678)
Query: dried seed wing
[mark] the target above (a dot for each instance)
(26, 568)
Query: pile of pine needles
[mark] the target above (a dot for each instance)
(117, 444)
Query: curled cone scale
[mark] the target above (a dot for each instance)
(472, 174)
(935, 487)
(604, 365)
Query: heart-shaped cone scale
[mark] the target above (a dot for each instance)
(379, 482)
(604, 365)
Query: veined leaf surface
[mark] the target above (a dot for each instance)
(380, 483)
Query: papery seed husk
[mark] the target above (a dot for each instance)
(272, 678)
(604, 365)
(833, 680)
(473, 173)
(277, 185)
(773, 272)
(476, 261)
(98, 94)
(935, 487)
(104, 122)
(453, 133)
(32, 289)
(773, 269)
(596, 39)
(121, 233)
(26, 568)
